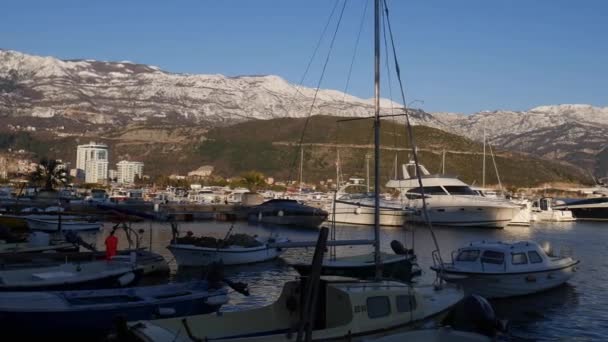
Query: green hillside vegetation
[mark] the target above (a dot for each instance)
(254, 145)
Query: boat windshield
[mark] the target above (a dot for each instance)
(468, 255)
(459, 190)
(428, 190)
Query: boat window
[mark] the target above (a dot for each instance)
(459, 190)
(468, 255)
(519, 259)
(406, 303)
(428, 190)
(534, 257)
(493, 257)
(378, 307)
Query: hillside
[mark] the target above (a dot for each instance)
(271, 147)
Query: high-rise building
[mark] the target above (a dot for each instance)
(127, 170)
(92, 162)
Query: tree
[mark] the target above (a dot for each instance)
(48, 174)
(253, 180)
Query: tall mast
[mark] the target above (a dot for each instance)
(377, 138)
(483, 169)
(301, 166)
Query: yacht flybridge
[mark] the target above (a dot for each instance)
(450, 201)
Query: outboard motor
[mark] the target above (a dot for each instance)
(73, 238)
(474, 314)
(399, 249)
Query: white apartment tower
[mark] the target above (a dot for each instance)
(127, 170)
(92, 162)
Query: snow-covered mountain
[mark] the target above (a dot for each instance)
(91, 93)
(576, 133)
(118, 92)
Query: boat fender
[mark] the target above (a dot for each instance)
(126, 279)
(216, 300)
(165, 312)
(398, 248)
(473, 314)
(280, 213)
(260, 216)
(358, 211)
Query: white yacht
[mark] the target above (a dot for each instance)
(450, 201)
(499, 269)
(354, 205)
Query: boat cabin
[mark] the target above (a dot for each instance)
(345, 307)
(500, 257)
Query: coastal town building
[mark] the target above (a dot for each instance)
(92, 162)
(127, 171)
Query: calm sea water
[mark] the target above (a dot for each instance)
(577, 310)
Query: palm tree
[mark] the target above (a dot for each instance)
(49, 173)
(253, 180)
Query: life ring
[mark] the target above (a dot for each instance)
(358, 211)
(280, 213)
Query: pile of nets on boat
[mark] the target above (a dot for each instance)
(242, 240)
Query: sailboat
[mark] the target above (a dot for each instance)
(343, 308)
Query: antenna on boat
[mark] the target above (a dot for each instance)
(377, 138)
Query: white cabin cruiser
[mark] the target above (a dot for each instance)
(354, 205)
(451, 202)
(499, 269)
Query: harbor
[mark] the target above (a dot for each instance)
(574, 310)
(139, 204)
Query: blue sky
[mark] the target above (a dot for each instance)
(459, 56)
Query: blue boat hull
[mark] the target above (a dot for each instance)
(89, 323)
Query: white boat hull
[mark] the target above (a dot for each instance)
(511, 284)
(190, 255)
(53, 225)
(522, 218)
(356, 214)
(466, 216)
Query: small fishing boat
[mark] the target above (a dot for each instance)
(346, 309)
(400, 266)
(287, 212)
(93, 312)
(36, 242)
(499, 269)
(54, 225)
(71, 276)
(234, 249)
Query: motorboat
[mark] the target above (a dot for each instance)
(71, 276)
(287, 212)
(590, 209)
(450, 201)
(355, 205)
(346, 309)
(234, 249)
(401, 265)
(542, 211)
(87, 313)
(60, 224)
(506, 269)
